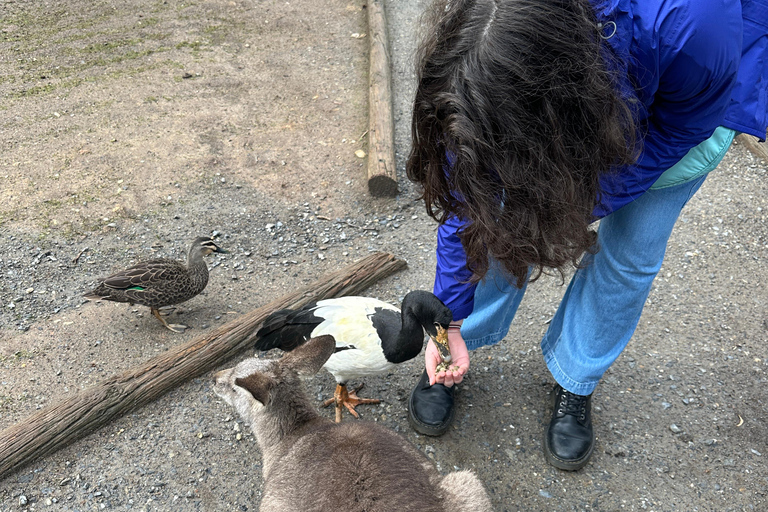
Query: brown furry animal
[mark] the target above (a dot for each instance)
(314, 465)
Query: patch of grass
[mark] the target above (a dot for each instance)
(105, 46)
(33, 91)
(48, 88)
(21, 355)
(196, 45)
(149, 22)
(52, 87)
(213, 30)
(104, 61)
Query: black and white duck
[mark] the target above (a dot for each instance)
(160, 282)
(372, 336)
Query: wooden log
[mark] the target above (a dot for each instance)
(382, 173)
(759, 149)
(60, 424)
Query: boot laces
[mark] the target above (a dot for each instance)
(573, 405)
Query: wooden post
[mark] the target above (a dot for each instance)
(73, 418)
(382, 174)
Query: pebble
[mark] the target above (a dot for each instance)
(675, 429)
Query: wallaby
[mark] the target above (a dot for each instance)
(313, 464)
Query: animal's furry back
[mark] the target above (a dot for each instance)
(363, 467)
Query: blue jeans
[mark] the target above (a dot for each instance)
(602, 305)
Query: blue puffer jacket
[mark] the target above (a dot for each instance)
(691, 74)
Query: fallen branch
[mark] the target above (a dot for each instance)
(58, 425)
(77, 258)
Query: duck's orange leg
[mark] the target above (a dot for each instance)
(349, 399)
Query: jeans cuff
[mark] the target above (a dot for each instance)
(569, 384)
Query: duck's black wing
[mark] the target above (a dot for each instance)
(287, 329)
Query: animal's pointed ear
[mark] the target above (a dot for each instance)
(308, 358)
(258, 385)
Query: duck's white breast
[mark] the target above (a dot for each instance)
(347, 319)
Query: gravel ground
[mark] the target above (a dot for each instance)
(680, 418)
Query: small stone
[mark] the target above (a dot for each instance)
(675, 429)
(23, 500)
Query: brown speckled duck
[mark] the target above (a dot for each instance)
(160, 282)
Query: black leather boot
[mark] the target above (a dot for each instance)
(570, 440)
(430, 408)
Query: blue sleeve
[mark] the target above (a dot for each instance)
(697, 53)
(748, 110)
(452, 277)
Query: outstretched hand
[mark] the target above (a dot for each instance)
(459, 363)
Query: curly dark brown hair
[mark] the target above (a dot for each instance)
(516, 117)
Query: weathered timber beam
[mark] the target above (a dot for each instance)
(759, 149)
(382, 174)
